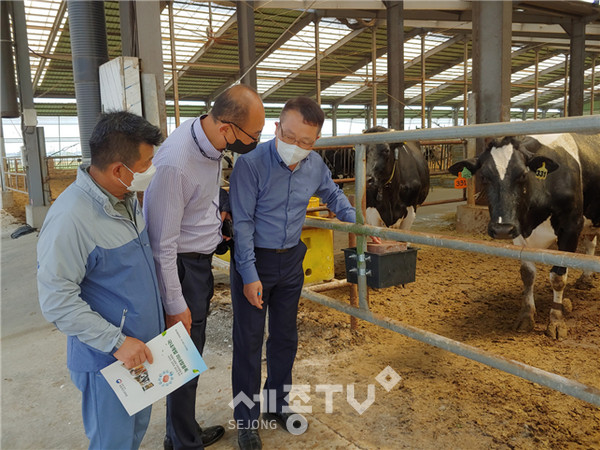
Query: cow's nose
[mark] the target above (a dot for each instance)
(370, 181)
(502, 230)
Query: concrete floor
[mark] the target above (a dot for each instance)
(40, 407)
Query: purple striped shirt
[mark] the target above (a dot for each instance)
(181, 206)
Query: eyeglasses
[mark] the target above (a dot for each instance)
(302, 143)
(254, 139)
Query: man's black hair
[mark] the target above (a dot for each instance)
(231, 107)
(309, 109)
(117, 137)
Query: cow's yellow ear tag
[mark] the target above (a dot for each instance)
(466, 173)
(460, 182)
(542, 172)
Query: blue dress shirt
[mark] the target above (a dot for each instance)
(269, 201)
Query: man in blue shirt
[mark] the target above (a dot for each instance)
(270, 190)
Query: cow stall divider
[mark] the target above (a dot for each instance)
(587, 124)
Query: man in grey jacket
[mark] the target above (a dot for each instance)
(96, 276)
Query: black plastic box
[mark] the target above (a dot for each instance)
(387, 269)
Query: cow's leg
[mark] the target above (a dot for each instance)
(405, 223)
(526, 319)
(373, 218)
(557, 328)
(585, 281)
(411, 214)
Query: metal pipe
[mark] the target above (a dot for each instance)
(174, 65)
(317, 60)
(550, 257)
(466, 83)
(423, 81)
(374, 72)
(570, 387)
(566, 87)
(537, 79)
(361, 239)
(561, 125)
(593, 83)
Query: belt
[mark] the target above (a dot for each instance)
(275, 250)
(195, 255)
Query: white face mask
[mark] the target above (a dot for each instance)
(290, 153)
(141, 180)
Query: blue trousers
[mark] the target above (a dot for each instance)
(197, 285)
(107, 424)
(282, 278)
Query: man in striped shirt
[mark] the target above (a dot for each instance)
(181, 207)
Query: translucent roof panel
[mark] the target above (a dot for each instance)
(40, 17)
(298, 51)
(542, 65)
(195, 25)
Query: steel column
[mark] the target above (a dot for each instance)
(317, 61)
(374, 72)
(246, 46)
(577, 68)
(593, 85)
(466, 84)
(174, 63)
(149, 42)
(33, 152)
(566, 88)
(537, 82)
(334, 109)
(395, 47)
(492, 60)
(423, 99)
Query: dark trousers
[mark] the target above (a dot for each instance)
(282, 278)
(197, 285)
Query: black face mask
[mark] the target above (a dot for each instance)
(241, 148)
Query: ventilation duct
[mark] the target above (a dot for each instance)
(8, 92)
(90, 50)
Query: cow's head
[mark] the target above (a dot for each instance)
(381, 159)
(507, 170)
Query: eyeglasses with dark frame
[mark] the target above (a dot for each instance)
(293, 141)
(254, 139)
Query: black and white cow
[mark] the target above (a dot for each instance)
(397, 182)
(542, 189)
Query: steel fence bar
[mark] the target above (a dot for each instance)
(570, 387)
(562, 125)
(361, 239)
(551, 257)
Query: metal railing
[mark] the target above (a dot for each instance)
(580, 124)
(15, 178)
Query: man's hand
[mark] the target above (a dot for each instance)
(133, 352)
(226, 216)
(185, 318)
(375, 240)
(253, 292)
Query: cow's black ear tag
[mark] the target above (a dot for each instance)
(541, 173)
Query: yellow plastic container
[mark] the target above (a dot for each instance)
(318, 262)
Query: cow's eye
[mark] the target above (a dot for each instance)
(523, 177)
